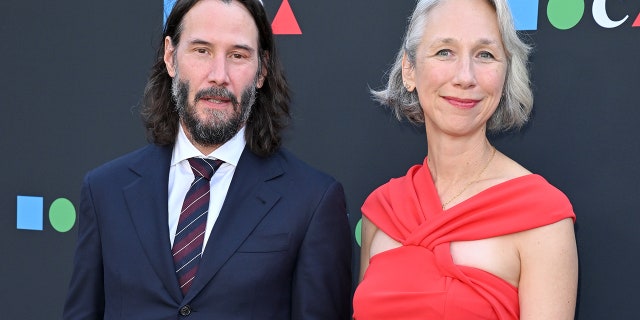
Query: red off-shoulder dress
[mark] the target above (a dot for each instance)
(419, 280)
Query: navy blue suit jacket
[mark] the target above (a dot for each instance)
(280, 249)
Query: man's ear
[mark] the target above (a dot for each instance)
(169, 53)
(408, 73)
(263, 70)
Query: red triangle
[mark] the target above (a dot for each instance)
(637, 22)
(285, 22)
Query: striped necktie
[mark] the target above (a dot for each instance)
(187, 244)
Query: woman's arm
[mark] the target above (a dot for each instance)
(367, 231)
(549, 272)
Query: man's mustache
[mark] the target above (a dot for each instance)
(216, 92)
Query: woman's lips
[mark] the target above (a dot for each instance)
(462, 103)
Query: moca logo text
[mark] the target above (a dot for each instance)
(30, 214)
(564, 14)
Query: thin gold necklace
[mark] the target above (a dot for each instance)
(493, 153)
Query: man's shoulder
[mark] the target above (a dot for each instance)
(303, 181)
(294, 165)
(136, 158)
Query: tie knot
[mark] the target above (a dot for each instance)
(204, 167)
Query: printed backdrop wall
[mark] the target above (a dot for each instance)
(74, 71)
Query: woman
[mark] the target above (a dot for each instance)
(469, 234)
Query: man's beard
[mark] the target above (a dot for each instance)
(216, 126)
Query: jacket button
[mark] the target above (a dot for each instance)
(185, 311)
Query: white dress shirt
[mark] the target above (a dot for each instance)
(181, 177)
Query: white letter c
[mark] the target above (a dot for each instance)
(600, 15)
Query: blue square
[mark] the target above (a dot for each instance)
(168, 6)
(29, 213)
(525, 14)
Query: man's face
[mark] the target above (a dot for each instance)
(216, 62)
(218, 126)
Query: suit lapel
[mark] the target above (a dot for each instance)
(248, 200)
(147, 201)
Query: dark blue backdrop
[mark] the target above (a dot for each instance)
(74, 71)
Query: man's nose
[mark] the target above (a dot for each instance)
(218, 74)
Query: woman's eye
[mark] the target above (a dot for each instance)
(443, 53)
(486, 55)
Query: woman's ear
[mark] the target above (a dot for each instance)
(408, 74)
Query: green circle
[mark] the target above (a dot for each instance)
(358, 232)
(565, 14)
(62, 215)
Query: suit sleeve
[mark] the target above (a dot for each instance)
(85, 298)
(322, 280)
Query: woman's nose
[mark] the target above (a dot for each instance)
(465, 73)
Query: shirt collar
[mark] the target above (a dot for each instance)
(229, 152)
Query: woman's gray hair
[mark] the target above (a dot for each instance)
(517, 98)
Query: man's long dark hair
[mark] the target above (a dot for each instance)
(270, 113)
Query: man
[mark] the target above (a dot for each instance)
(275, 241)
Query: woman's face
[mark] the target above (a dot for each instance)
(460, 67)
